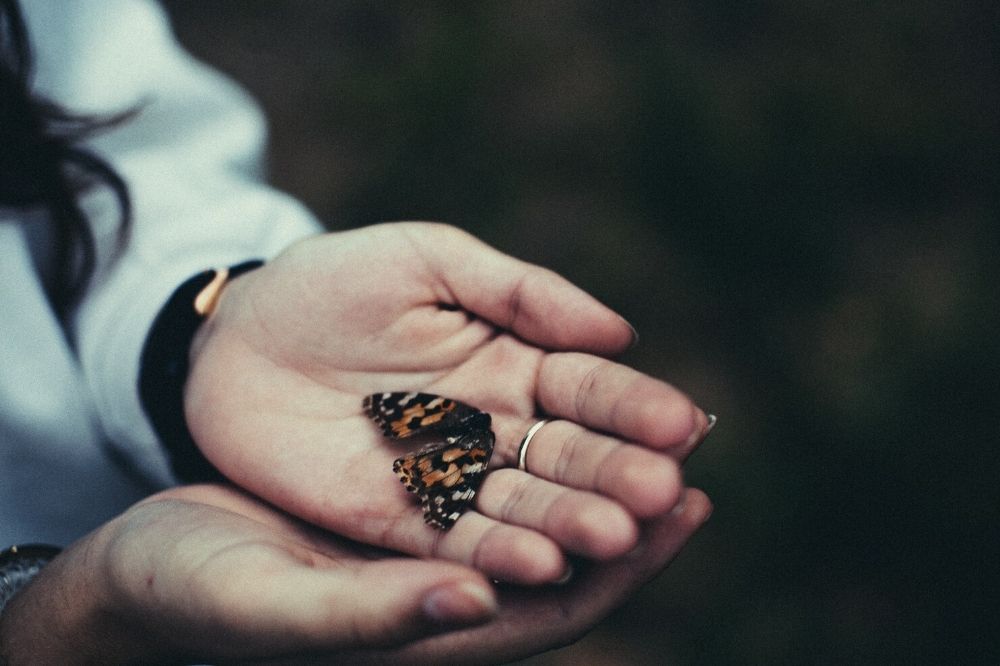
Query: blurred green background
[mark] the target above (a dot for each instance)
(795, 202)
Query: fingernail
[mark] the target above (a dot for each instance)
(698, 436)
(679, 507)
(460, 603)
(566, 577)
(635, 334)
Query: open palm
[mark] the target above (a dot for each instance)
(207, 573)
(280, 370)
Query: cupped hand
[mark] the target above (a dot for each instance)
(209, 574)
(280, 369)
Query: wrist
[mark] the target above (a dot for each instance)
(63, 615)
(215, 300)
(19, 565)
(166, 362)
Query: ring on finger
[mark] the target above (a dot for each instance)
(522, 451)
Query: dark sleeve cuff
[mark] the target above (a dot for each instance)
(164, 370)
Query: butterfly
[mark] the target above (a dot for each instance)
(446, 473)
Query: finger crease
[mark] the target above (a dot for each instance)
(604, 467)
(478, 550)
(584, 390)
(567, 454)
(436, 542)
(515, 299)
(517, 495)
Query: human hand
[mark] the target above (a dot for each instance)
(202, 573)
(280, 369)
(207, 573)
(535, 619)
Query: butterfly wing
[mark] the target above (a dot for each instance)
(445, 476)
(401, 415)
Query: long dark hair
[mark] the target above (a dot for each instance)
(43, 167)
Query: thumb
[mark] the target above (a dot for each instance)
(371, 603)
(533, 302)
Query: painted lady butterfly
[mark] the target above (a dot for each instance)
(443, 474)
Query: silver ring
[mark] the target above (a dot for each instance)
(522, 451)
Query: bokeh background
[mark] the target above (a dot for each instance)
(795, 203)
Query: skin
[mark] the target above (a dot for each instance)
(209, 574)
(323, 554)
(281, 368)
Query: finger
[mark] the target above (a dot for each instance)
(573, 609)
(381, 512)
(239, 571)
(662, 540)
(377, 603)
(616, 399)
(580, 522)
(534, 302)
(545, 618)
(645, 482)
(502, 552)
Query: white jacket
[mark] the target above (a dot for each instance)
(75, 446)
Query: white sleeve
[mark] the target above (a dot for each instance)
(190, 158)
